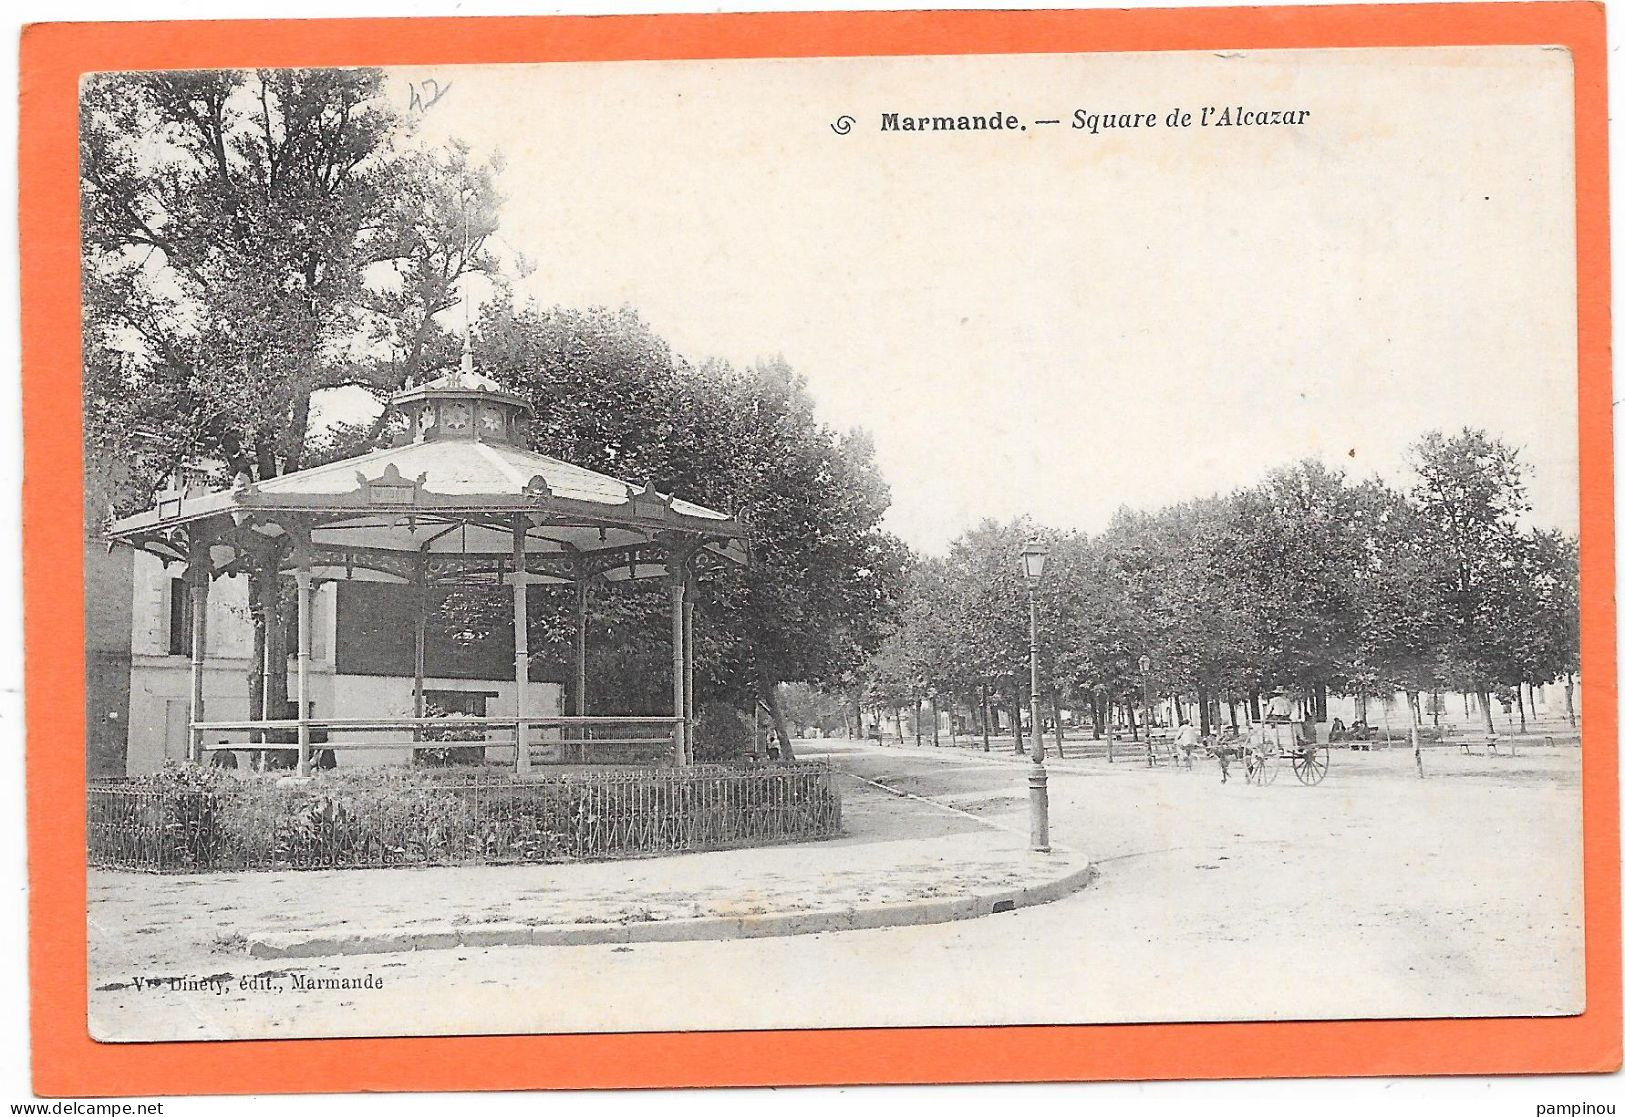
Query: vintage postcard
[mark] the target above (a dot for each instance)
(599, 542)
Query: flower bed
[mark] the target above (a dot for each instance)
(192, 819)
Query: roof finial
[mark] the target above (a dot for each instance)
(466, 368)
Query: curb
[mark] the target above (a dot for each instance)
(913, 913)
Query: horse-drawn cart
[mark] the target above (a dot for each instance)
(1268, 745)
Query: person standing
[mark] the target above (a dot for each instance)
(1185, 743)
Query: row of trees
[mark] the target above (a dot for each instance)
(1306, 581)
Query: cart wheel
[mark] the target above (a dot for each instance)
(1268, 769)
(1310, 766)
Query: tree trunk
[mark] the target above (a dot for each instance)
(1055, 709)
(916, 723)
(264, 456)
(293, 444)
(1568, 697)
(1231, 703)
(1489, 718)
(1253, 711)
(1015, 722)
(1523, 720)
(1322, 701)
(284, 608)
(986, 744)
(1207, 716)
(1133, 728)
(256, 662)
(897, 715)
(267, 691)
(1094, 714)
(936, 725)
(768, 689)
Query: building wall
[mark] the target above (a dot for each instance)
(160, 682)
(160, 697)
(109, 576)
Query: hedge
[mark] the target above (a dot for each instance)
(188, 818)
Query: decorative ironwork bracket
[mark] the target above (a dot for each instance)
(391, 488)
(536, 490)
(646, 502)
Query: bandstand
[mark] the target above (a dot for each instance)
(458, 500)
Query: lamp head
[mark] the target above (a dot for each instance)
(1145, 663)
(1032, 560)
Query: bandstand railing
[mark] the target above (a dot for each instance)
(555, 740)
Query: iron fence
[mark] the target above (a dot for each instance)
(247, 824)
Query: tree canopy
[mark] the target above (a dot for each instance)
(815, 599)
(251, 238)
(1305, 581)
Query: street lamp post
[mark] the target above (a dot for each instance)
(1032, 568)
(1145, 685)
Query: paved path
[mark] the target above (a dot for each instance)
(903, 859)
(1372, 895)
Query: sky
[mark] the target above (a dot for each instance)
(1055, 322)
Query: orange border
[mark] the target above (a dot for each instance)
(67, 1062)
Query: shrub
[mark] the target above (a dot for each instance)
(449, 756)
(190, 818)
(720, 734)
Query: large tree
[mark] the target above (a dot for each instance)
(1538, 612)
(1096, 640)
(1470, 490)
(1397, 593)
(251, 238)
(1188, 597)
(818, 593)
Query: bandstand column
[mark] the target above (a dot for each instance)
(679, 697)
(581, 644)
(419, 642)
(688, 652)
(197, 584)
(268, 618)
(264, 618)
(301, 578)
(521, 646)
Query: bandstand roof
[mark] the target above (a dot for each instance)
(445, 506)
